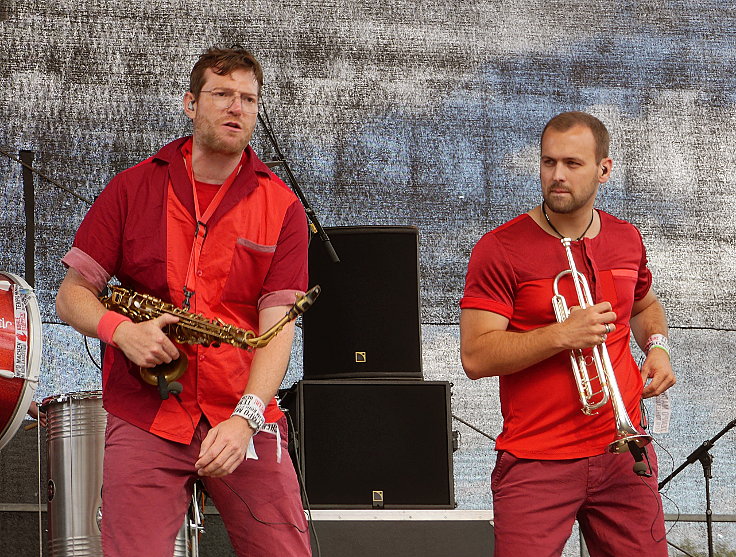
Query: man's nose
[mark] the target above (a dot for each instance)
(559, 173)
(235, 107)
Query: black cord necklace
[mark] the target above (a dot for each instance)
(552, 226)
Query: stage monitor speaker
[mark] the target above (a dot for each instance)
(366, 322)
(373, 444)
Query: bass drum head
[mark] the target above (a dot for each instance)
(20, 352)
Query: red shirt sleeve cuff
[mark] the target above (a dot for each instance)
(87, 267)
(468, 302)
(278, 298)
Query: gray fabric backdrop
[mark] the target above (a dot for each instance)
(426, 115)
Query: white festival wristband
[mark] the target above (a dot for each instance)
(658, 341)
(251, 408)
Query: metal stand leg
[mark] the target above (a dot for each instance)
(583, 546)
(706, 460)
(195, 524)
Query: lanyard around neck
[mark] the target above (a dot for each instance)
(200, 230)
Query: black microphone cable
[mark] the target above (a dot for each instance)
(302, 485)
(471, 426)
(86, 342)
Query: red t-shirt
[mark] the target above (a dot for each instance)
(205, 194)
(141, 230)
(511, 272)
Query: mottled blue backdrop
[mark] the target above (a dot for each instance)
(423, 114)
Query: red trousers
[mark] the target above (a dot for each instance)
(147, 486)
(536, 502)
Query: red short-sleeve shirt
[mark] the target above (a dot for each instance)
(141, 229)
(511, 273)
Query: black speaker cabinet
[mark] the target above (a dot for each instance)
(366, 322)
(373, 444)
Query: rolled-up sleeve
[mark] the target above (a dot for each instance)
(288, 275)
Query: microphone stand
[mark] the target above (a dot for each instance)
(28, 166)
(706, 459)
(281, 161)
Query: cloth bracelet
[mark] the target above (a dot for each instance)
(251, 407)
(658, 341)
(107, 325)
(250, 398)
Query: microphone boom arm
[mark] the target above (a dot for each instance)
(311, 215)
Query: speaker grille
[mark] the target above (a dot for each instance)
(366, 323)
(360, 437)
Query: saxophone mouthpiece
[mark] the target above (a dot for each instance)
(303, 303)
(311, 295)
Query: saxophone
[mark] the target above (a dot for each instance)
(193, 328)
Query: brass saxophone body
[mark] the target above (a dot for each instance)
(193, 328)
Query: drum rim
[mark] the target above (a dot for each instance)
(34, 318)
(74, 395)
(35, 348)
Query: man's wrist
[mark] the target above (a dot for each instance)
(250, 424)
(251, 409)
(657, 341)
(108, 324)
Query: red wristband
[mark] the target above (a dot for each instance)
(107, 325)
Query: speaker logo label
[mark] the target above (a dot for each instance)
(360, 358)
(377, 499)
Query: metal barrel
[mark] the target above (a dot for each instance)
(75, 438)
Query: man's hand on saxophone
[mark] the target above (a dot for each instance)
(144, 343)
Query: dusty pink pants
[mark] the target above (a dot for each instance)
(147, 484)
(535, 503)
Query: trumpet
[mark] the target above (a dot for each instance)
(593, 397)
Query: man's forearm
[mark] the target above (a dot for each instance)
(269, 363)
(488, 349)
(649, 321)
(506, 352)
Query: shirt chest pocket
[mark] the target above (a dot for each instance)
(624, 285)
(144, 261)
(248, 269)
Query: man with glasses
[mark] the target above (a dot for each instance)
(203, 225)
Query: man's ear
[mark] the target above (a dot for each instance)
(606, 165)
(190, 104)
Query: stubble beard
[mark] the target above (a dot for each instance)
(567, 204)
(208, 138)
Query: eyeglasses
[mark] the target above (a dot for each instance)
(223, 98)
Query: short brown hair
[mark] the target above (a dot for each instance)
(224, 61)
(566, 120)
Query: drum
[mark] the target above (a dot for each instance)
(20, 352)
(75, 438)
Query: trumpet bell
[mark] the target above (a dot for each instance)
(623, 444)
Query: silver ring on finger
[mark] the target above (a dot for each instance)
(608, 327)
